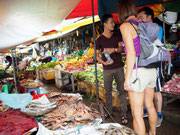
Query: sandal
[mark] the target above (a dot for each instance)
(124, 120)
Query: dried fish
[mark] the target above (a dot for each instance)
(71, 115)
(113, 130)
(4, 108)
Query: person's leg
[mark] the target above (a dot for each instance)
(108, 78)
(136, 101)
(158, 101)
(152, 114)
(119, 78)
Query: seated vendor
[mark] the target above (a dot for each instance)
(79, 51)
(91, 49)
(25, 62)
(176, 56)
(10, 60)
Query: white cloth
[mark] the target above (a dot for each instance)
(27, 59)
(21, 65)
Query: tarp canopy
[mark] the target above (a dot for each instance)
(24, 20)
(111, 6)
(83, 9)
(68, 28)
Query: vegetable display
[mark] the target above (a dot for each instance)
(48, 65)
(89, 76)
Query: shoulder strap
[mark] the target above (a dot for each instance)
(134, 22)
(134, 28)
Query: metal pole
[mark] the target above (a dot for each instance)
(97, 89)
(14, 73)
(17, 77)
(164, 30)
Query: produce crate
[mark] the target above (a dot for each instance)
(116, 101)
(40, 75)
(102, 95)
(49, 81)
(57, 71)
(88, 86)
(48, 74)
(91, 89)
(80, 86)
(58, 83)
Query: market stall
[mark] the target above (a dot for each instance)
(53, 113)
(171, 90)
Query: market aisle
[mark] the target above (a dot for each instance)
(167, 128)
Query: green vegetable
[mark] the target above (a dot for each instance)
(89, 76)
(48, 65)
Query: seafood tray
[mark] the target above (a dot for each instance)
(31, 85)
(69, 116)
(64, 98)
(101, 129)
(114, 129)
(38, 109)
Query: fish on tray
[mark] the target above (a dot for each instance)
(62, 99)
(70, 115)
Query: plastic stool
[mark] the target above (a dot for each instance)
(34, 89)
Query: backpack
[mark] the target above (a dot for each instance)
(153, 52)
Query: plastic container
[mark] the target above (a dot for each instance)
(107, 57)
(39, 95)
(48, 74)
(6, 88)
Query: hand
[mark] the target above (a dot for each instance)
(127, 85)
(109, 50)
(108, 62)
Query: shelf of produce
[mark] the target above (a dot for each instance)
(91, 89)
(71, 74)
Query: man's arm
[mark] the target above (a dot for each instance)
(101, 60)
(8, 66)
(98, 58)
(119, 49)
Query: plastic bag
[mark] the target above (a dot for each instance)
(16, 100)
(21, 65)
(43, 131)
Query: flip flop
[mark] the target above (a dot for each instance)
(124, 120)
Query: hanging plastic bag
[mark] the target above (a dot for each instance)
(16, 100)
(21, 65)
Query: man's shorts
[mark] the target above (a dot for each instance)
(147, 79)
